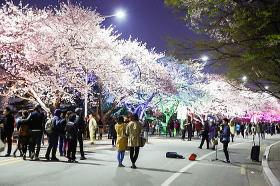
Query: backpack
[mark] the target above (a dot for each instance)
(49, 126)
(192, 157)
(24, 130)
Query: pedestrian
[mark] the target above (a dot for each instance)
(112, 131)
(8, 122)
(232, 130)
(205, 134)
(120, 128)
(242, 129)
(212, 133)
(24, 134)
(61, 134)
(184, 129)
(71, 137)
(189, 128)
(79, 121)
(92, 128)
(133, 132)
(237, 127)
(198, 128)
(246, 130)
(36, 120)
(226, 139)
(100, 129)
(53, 136)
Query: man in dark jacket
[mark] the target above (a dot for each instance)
(36, 121)
(80, 123)
(226, 138)
(8, 129)
(205, 135)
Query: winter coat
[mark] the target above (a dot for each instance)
(121, 137)
(212, 132)
(71, 130)
(9, 123)
(133, 131)
(226, 134)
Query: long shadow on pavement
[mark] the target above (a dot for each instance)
(80, 162)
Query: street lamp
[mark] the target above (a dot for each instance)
(120, 14)
(204, 58)
(244, 78)
(266, 87)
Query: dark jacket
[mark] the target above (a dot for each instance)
(9, 123)
(226, 134)
(71, 130)
(36, 120)
(80, 123)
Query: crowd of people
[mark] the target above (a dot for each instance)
(65, 129)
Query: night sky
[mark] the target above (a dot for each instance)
(148, 20)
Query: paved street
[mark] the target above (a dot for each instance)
(153, 168)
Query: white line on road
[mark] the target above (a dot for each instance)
(184, 169)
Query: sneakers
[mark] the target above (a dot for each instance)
(121, 165)
(47, 158)
(54, 159)
(226, 161)
(7, 155)
(83, 158)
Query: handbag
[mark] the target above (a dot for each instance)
(142, 141)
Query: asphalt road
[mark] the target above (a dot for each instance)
(153, 167)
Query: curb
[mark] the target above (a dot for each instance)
(270, 178)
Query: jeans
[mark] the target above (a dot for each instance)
(225, 149)
(36, 141)
(53, 141)
(120, 156)
(62, 145)
(134, 152)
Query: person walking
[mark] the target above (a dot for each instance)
(112, 131)
(71, 137)
(53, 136)
(120, 128)
(81, 129)
(242, 129)
(36, 120)
(133, 132)
(232, 130)
(61, 134)
(8, 123)
(189, 128)
(212, 134)
(226, 139)
(205, 135)
(92, 128)
(24, 133)
(184, 129)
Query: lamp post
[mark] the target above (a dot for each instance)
(120, 14)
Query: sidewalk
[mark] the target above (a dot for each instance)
(274, 160)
